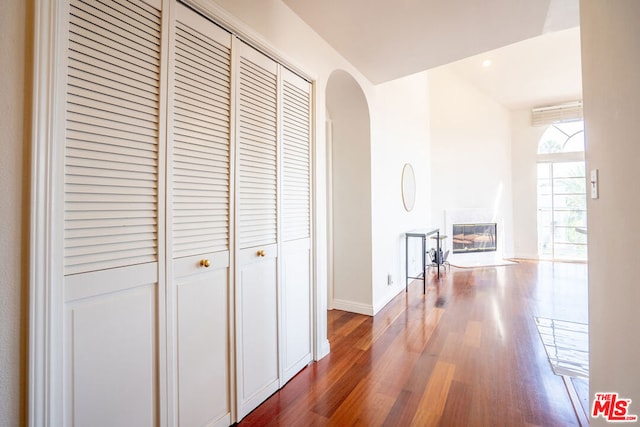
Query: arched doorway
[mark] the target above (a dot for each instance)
(349, 193)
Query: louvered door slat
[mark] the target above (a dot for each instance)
(111, 153)
(106, 101)
(136, 22)
(120, 161)
(91, 51)
(94, 78)
(201, 131)
(296, 177)
(257, 151)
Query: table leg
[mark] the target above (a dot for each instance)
(424, 264)
(406, 263)
(438, 252)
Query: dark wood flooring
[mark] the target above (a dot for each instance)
(466, 354)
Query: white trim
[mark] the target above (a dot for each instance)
(279, 265)
(167, 306)
(245, 33)
(353, 307)
(573, 156)
(321, 346)
(329, 148)
(233, 202)
(45, 271)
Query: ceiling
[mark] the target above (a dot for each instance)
(386, 39)
(544, 70)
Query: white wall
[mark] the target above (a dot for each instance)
(524, 149)
(401, 135)
(470, 152)
(350, 194)
(15, 68)
(611, 66)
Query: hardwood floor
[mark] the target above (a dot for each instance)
(467, 354)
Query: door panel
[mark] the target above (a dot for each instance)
(295, 216)
(199, 175)
(111, 290)
(296, 307)
(257, 327)
(256, 279)
(112, 365)
(203, 341)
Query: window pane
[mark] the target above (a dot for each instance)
(569, 186)
(544, 186)
(575, 143)
(545, 218)
(570, 218)
(552, 141)
(564, 201)
(562, 138)
(570, 235)
(571, 128)
(568, 170)
(544, 202)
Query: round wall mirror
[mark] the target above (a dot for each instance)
(408, 187)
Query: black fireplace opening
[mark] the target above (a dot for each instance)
(474, 237)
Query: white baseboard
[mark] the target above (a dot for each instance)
(353, 307)
(393, 292)
(525, 256)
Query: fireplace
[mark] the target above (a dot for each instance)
(480, 237)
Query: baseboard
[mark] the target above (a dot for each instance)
(379, 305)
(353, 307)
(523, 256)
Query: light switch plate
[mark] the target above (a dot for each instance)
(594, 184)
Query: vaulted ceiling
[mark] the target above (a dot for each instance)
(387, 39)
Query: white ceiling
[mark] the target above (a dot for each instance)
(387, 39)
(540, 71)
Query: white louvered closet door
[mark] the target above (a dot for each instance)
(295, 217)
(200, 182)
(111, 196)
(256, 229)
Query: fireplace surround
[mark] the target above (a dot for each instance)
(476, 237)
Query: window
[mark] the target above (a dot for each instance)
(562, 202)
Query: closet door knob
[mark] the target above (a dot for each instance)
(205, 263)
(261, 253)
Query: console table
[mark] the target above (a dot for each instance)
(422, 233)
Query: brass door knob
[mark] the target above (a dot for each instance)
(261, 253)
(205, 263)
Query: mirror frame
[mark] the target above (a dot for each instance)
(408, 187)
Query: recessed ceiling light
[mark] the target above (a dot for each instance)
(486, 63)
